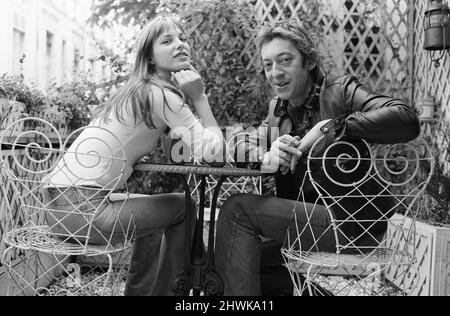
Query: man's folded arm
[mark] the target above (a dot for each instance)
(375, 118)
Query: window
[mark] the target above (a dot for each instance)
(63, 61)
(18, 51)
(49, 57)
(76, 61)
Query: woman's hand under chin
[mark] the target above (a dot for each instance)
(190, 83)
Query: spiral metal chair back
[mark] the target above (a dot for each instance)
(362, 187)
(58, 226)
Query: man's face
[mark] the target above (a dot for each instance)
(285, 70)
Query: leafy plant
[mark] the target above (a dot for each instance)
(75, 100)
(68, 103)
(14, 88)
(109, 12)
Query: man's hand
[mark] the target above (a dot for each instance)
(309, 140)
(281, 154)
(190, 83)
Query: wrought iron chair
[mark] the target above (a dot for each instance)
(369, 241)
(43, 242)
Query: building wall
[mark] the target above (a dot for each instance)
(52, 34)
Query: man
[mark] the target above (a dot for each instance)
(308, 106)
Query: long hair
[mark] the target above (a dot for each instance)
(137, 92)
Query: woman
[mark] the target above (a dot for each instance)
(152, 101)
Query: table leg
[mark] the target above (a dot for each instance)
(199, 275)
(213, 284)
(194, 273)
(182, 284)
(212, 225)
(198, 252)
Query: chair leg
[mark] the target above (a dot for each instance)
(95, 281)
(105, 277)
(109, 274)
(308, 281)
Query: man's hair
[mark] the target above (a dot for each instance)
(294, 32)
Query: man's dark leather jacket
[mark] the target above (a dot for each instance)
(357, 114)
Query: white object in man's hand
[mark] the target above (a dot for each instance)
(281, 154)
(309, 140)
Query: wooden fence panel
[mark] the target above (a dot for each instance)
(431, 273)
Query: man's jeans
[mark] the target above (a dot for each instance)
(250, 234)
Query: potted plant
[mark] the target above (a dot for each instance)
(66, 107)
(74, 102)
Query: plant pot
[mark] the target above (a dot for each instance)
(432, 276)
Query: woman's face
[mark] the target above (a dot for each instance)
(171, 53)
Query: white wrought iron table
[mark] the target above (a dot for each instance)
(199, 274)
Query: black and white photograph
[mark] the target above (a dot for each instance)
(230, 155)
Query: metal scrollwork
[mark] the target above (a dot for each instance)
(34, 145)
(91, 157)
(213, 285)
(182, 284)
(343, 163)
(398, 165)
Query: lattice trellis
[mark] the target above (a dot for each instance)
(430, 81)
(370, 39)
